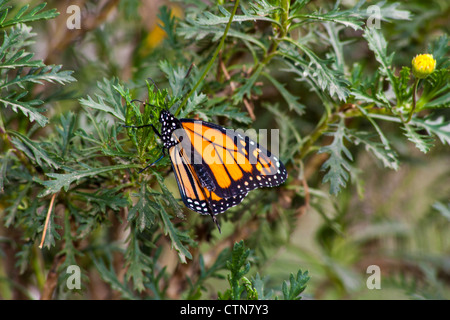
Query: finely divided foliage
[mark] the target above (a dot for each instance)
(14, 57)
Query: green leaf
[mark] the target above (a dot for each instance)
(144, 211)
(22, 16)
(403, 88)
(209, 19)
(137, 262)
(12, 210)
(66, 131)
(386, 154)
(5, 159)
(436, 91)
(289, 130)
(109, 100)
(337, 164)
(176, 76)
(297, 284)
(18, 59)
(379, 150)
(258, 285)
(26, 107)
(168, 24)
(291, 100)
(423, 142)
(168, 197)
(194, 103)
(175, 236)
(389, 11)
(23, 257)
(69, 251)
(108, 274)
(246, 88)
(359, 94)
(26, 71)
(33, 150)
(353, 17)
(64, 180)
(440, 49)
(205, 274)
(263, 8)
(333, 37)
(194, 32)
(346, 18)
(377, 43)
(438, 127)
(49, 74)
(219, 107)
(238, 266)
(316, 69)
(102, 199)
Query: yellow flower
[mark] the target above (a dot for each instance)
(423, 65)
(156, 35)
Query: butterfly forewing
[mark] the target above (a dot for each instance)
(229, 161)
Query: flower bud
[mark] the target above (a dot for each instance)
(423, 65)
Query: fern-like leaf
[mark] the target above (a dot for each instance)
(24, 15)
(297, 284)
(423, 142)
(337, 164)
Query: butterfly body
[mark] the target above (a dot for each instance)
(216, 167)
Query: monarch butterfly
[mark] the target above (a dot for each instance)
(215, 167)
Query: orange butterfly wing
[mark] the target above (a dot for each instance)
(195, 196)
(215, 167)
(227, 162)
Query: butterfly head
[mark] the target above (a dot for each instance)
(168, 125)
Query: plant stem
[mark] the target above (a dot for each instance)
(285, 4)
(414, 92)
(205, 72)
(317, 133)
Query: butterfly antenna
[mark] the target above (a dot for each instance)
(154, 83)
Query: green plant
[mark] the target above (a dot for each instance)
(71, 191)
(241, 286)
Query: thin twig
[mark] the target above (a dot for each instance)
(64, 37)
(249, 108)
(47, 219)
(205, 72)
(52, 278)
(247, 103)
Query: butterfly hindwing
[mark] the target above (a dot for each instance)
(194, 195)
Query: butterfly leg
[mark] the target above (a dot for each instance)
(216, 222)
(214, 218)
(154, 162)
(144, 126)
